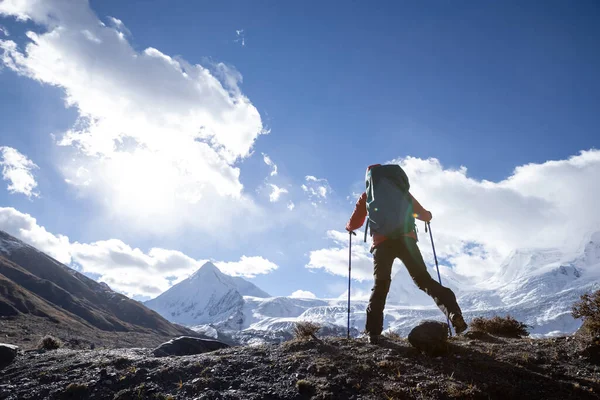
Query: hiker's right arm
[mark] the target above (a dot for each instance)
(359, 215)
(421, 213)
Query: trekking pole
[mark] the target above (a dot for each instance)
(428, 227)
(349, 274)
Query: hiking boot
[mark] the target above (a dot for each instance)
(459, 324)
(373, 339)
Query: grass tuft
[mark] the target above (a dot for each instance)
(500, 326)
(306, 330)
(49, 343)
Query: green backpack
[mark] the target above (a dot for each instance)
(389, 203)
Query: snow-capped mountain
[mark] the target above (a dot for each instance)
(208, 296)
(536, 286)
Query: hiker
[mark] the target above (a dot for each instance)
(392, 210)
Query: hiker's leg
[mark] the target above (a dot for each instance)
(383, 258)
(413, 260)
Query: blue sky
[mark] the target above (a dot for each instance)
(339, 86)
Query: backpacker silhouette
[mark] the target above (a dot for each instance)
(391, 210)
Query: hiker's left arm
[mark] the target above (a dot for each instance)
(421, 212)
(359, 215)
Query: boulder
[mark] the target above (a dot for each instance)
(8, 352)
(430, 337)
(187, 345)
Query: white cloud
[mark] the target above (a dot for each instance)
(303, 294)
(247, 267)
(119, 26)
(4, 31)
(271, 164)
(158, 136)
(240, 37)
(478, 223)
(291, 205)
(335, 260)
(548, 205)
(37, 10)
(124, 268)
(134, 272)
(16, 169)
(317, 189)
(130, 270)
(25, 227)
(276, 192)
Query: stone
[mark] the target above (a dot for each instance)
(430, 337)
(187, 346)
(8, 352)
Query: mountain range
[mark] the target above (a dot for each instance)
(535, 286)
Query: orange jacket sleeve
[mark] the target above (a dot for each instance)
(421, 212)
(359, 215)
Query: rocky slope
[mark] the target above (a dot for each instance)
(42, 296)
(474, 367)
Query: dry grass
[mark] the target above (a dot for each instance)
(306, 330)
(500, 326)
(49, 343)
(461, 391)
(588, 308)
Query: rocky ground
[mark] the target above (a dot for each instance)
(25, 331)
(474, 366)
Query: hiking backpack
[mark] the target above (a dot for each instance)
(389, 203)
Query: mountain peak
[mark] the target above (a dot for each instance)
(207, 269)
(210, 267)
(208, 296)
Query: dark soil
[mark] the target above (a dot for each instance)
(475, 366)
